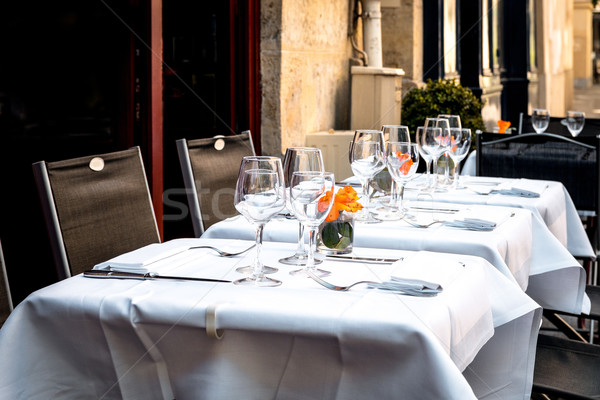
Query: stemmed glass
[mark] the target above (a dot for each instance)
(259, 196)
(575, 122)
(424, 155)
(312, 198)
(402, 159)
(436, 141)
(393, 133)
(461, 143)
(453, 120)
(366, 160)
(299, 159)
(540, 119)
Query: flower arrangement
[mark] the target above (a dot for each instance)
(503, 126)
(336, 234)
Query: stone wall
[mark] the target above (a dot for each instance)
(554, 19)
(305, 70)
(402, 38)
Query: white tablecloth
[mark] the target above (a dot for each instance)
(93, 338)
(554, 206)
(522, 248)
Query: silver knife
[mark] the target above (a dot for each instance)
(372, 260)
(432, 209)
(101, 273)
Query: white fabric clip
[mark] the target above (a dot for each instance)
(211, 323)
(96, 164)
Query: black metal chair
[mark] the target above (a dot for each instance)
(96, 207)
(572, 161)
(566, 369)
(6, 304)
(210, 169)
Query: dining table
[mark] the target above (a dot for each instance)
(549, 201)
(521, 246)
(177, 338)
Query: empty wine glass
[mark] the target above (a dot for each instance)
(460, 139)
(436, 141)
(453, 120)
(424, 155)
(366, 160)
(312, 198)
(394, 133)
(540, 119)
(299, 159)
(575, 122)
(259, 195)
(402, 159)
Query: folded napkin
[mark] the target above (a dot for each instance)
(151, 258)
(521, 187)
(480, 218)
(408, 286)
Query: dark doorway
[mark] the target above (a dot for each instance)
(210, 85)
(64, 90)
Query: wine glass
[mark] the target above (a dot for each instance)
(312, 198)
(299, 159)
(259, 195)
(460, 139)
(436, 141)
(540, 119)
(366, 160)
(575, 122)
(402, 159)
(424, 153)
(453, 120)
(393, 133)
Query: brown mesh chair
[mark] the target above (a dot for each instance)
(96, 207)
(210, 169)
(6, 304)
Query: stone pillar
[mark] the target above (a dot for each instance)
(582, 44)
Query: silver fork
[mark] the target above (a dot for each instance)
(373, 284)
(416, 225)
(221, 252)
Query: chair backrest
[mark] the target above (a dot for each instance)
(6, 304)
(573, 161)
(210, 168)
(96, 207)
(558, 126)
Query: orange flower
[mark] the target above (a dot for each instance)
(503, 126)
(344, 200)
(324, 201)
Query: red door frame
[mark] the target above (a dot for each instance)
(248, 54)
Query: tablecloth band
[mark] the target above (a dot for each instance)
(211, 323)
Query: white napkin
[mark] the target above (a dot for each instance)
(151, 258)
(521, 187)
(480, 218)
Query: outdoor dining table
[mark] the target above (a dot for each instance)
(165, 339)
(521, 247)
(553, 205)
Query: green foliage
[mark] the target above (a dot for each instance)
(441, 97)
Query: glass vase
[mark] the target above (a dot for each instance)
(336, 237)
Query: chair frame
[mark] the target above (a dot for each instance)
(6, 284)
(49, 209)
(495, 138)
(190, 184)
